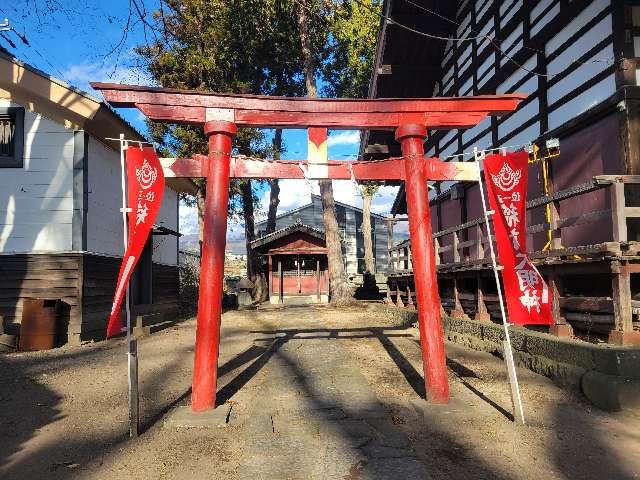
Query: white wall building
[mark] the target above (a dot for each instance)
(60, 197)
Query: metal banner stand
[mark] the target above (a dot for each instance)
(132, 345)
(516, 400)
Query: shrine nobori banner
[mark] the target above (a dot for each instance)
(528, 300)
(145, 187)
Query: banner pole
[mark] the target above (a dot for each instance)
(516, 400)
(132, 347)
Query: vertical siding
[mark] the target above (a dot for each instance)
(380, 245)
(104, 220)
(100, 274)
(36, 201)
(350, 242)
(578, 30)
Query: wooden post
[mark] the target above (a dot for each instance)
(410, 303)
(479, 243)
(618, 218)
(623, 333)
(390, 224)
(281, 281)
(399, 302)
(561, 328)
(554, 219)
(455, 248)
(387, 299)
(458, 311)
(436, 250)
(482, 314)
(411, 137)
(205, 370)
(318, 278)
(270, 277)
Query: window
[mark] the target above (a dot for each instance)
(142, 278)
(11, 136)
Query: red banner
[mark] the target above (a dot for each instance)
(526, 293)
(145, 187)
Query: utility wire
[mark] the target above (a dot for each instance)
(460, 39)
(492, 41)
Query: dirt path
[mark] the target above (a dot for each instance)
(315, 393)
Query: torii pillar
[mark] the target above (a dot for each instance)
(411, 138)
(222, 114)
(214, 239)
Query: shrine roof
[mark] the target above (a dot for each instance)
(283, 232)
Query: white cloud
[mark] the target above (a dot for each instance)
(82, 73)
(295, 194)
(346, 137)
(188, 219)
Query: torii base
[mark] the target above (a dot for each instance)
(185, 417)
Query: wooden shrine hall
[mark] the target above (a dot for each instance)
(220, 115)
(296, 264)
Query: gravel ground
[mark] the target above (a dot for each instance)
(315, 393)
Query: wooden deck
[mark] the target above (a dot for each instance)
(593, 286)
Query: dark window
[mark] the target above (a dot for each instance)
(142, 278)
(11, 136)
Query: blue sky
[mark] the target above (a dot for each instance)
(85, 42)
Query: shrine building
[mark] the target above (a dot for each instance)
(296, 264)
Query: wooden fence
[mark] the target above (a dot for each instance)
(464, 248)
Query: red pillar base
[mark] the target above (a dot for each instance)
(482, 317)
(562, 330)
(616, 337)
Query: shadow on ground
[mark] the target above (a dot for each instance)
(304, 420)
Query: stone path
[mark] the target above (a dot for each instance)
(316, 416)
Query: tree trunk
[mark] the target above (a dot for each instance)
(249, 228)
(339, 289)
(307, 58)
(253, 261)
(274, 194)
(200, 197)
(366, 233)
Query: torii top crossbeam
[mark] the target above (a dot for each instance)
(190, 106)
(221, 114)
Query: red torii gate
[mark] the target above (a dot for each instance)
(222, 114)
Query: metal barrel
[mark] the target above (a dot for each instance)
(38, 326)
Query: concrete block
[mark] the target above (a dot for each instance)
(561, 350)
(183, 417)
(563, 330)
(611, 393)
(563, 374)
(622, 361)
(616, 337)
